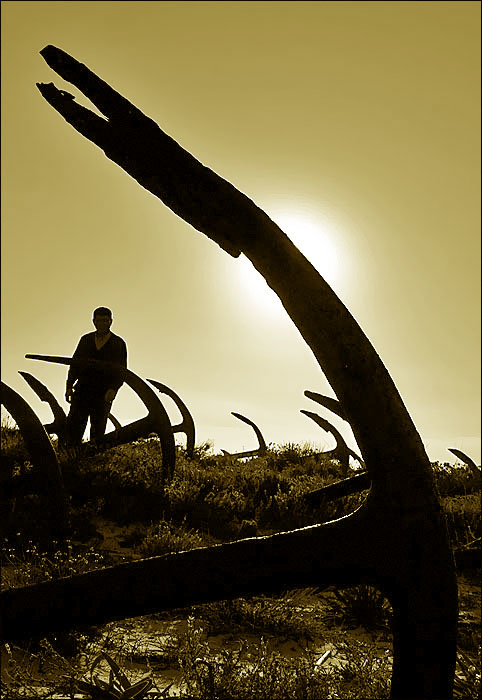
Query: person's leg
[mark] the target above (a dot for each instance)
(76, 421)
(99, 412)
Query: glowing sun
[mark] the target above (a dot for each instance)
(314, 237)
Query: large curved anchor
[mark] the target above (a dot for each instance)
(397, 540)
(43, 457)
(157, 421)
(341, 451)
(57, 426)
(187, 424)
(259, 451)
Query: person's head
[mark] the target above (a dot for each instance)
(102, 319)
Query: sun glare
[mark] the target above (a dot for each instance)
(255, 288)
(314, 237)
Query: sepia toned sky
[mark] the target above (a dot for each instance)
(354, 125)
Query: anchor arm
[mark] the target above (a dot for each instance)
(42, 455)
(341, 449)
(338, 489)
(117, 425)
(259, 435)
(328, 402)
(335, 552)
(465, 458)
(336, 407)
(44, 394)
(34, 434)
(260, 450)
(187, 423)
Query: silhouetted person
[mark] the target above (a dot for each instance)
(91, 390)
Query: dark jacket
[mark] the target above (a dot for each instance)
(94, 379)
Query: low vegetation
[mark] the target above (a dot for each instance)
(309, 643)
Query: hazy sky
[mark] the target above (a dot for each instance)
(354, 125)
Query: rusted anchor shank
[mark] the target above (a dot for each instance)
(259, 451)
(156, 421)
(187, 424)
(43, 458)
(404, 531)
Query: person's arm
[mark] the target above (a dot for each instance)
(73, 373)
